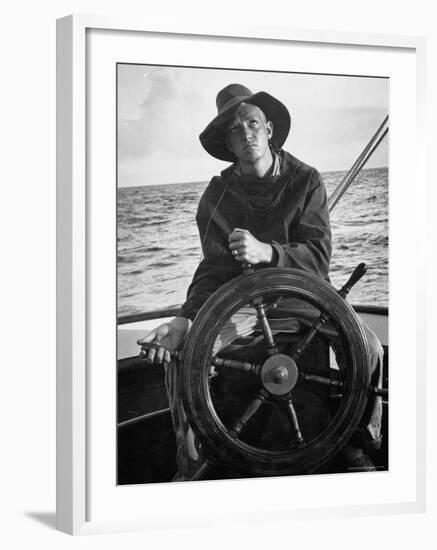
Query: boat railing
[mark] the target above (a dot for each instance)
(172, 311)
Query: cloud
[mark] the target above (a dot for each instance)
(137, 137)
(167, 116)
(162, 111)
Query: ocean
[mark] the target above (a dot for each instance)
(158, 245)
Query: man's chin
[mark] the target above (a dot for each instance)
(251, 154)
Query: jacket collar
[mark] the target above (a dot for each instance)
(286, 163)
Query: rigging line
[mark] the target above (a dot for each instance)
(212, 214)
(358, 161)
(353, 172)
(351, 176)
(378, 131)
(369, 144)
(277, 156)
(370, 153)
(357, 166)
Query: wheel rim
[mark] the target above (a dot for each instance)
(219, 438)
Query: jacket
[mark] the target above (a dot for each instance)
(288, 211)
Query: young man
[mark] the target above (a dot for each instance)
(266, 209)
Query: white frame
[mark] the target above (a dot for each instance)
(72, 247)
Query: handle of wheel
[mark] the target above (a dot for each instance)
(358, 272)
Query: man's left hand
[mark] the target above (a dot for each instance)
(247, 249)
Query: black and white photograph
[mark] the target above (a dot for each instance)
(252, 273)
(218, 271)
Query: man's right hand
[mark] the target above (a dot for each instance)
(168, 337)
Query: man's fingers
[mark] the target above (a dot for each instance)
(155, 335)
(235, 245)
(155, 354)
(242, 257)
(155, 344)
(239, 249)
(238, 239)
(147, 338)
(238, 234)
(159, 357)
(151, 356)
(241, 244)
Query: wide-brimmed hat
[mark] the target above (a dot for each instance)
(213, 138)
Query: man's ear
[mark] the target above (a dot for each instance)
(269, 126)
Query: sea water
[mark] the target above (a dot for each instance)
(158, 245)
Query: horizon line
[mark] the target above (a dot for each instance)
(206, 181)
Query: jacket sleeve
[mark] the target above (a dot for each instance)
(217, 266)
(309, 244)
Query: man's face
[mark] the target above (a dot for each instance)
(248, 134)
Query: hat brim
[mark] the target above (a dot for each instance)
(213, 138)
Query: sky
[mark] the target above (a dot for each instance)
(162, 111)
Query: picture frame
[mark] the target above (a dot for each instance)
(79, 424)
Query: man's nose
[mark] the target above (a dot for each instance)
(247, 134)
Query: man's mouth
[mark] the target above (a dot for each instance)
(250, 146)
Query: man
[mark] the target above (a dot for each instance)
(266, 209)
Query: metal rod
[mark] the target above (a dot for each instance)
(201, 471)
(142, 418)
(358, 164)
(370, 143)
(356, 167)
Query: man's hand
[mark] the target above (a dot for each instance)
(168, 336)
(247, 249)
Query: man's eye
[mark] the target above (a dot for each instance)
(254, 122)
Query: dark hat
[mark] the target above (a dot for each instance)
(213, 138)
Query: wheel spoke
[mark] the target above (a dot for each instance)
(250, 411)
(250, 368)
(323, 380)
(291, 413)
(302, 344)
(381, 392)
(265, 326)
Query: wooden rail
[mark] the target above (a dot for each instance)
(174, 310)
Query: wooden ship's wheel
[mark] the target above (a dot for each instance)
(312, 411)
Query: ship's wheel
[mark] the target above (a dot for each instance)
(256, 402)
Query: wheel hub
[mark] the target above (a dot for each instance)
(279, 374)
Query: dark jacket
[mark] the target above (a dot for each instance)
(288, 211)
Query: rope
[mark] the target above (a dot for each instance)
(358, 164)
